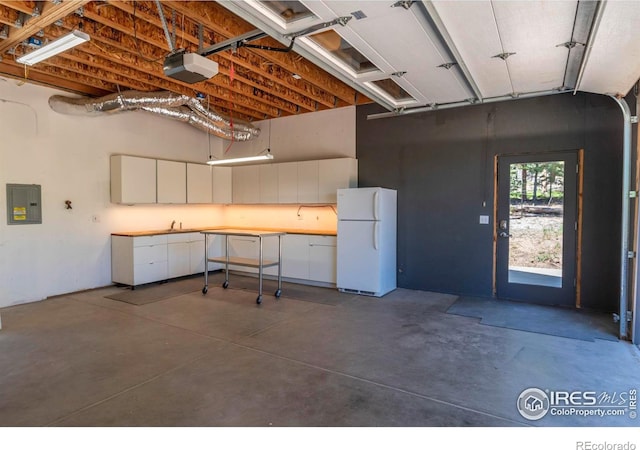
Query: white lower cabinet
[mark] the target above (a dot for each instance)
(145, 259)
(138, 260)
(304, 257)
(322, 258)
(179, 253)
(295, 256)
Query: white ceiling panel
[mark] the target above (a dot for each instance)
(614, 63)
(427, 34)
(372, 9)
(472, 27)
(406, 47)
(534, 31)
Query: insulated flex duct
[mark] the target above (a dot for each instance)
(164, 103)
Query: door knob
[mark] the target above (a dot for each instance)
(504, 234)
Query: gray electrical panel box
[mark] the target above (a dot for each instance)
(23, 204)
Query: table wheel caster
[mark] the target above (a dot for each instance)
(278, 293)
(225, 285)
(259, 299)
(205, 290)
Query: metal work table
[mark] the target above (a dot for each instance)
(227, 260)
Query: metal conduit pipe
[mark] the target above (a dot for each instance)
(501, 98)
(626, 183)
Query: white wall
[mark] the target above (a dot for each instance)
(324, 134)
(69, 157)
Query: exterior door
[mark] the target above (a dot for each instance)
(536, 228)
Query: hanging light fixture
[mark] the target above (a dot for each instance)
(261, 157)
(60, 45)
(266, 156)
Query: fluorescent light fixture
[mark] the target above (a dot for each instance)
(214, 162)
(60, 45)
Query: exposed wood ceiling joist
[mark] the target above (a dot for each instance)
(128, 47)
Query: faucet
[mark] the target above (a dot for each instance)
(172, 225)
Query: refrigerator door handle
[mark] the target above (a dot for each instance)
(375, 205)
(375, 235)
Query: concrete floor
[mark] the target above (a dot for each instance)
(221, 360)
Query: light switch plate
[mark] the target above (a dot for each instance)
(484, 220)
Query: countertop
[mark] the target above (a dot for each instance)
(195, 230)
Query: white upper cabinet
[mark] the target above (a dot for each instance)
(246, 184)
(199, 183)
(172, 182)
(308, 182)
(133, 179)
(295, 182)
(334, 174)
(268, 183)
(221, 182)
(287, 182)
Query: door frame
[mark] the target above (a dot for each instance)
(578, 154)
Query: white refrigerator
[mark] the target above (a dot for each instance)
(367, 229)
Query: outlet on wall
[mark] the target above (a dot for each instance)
(95, 218)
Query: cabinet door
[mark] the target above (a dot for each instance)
(199, 183)
(150, 259)
(172, 182)
(221, 181)
(149, 273)
(243, 247)
(334, 174)
(270, 252)
(246, 184)
(122, 259)
(322, 258)
(179, 259)
(308, 182)
(288, 182)
(269, 183)
(295, 256)
(133, 179)
(216, 248)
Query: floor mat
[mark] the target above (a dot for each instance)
(153, 292)
(315, 294)
(555, 321)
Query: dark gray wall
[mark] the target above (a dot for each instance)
(441, 163)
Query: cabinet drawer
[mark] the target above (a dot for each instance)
(181, 237)
(142, 241)
(149, 254)
(327, 241)
(148, 273)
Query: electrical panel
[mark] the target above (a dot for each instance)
(24, 204)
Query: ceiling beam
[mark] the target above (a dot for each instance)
(117, 51)
(64, 75)
(227, 25)
(105, 56)
(186, 38)
(114, 18)
(51, 13)
(16, 71)
(222, 21)
(8, 16)
(26, 7)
